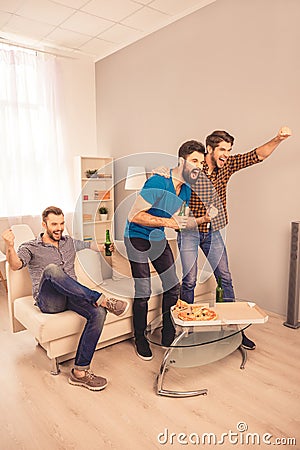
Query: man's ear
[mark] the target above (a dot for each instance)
(181, 161)
(209, 149)
(44, 224)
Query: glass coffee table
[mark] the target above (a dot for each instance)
(195, 346)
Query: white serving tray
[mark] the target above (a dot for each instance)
(229, 313)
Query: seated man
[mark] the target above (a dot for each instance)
(50, 260)
(153, 210)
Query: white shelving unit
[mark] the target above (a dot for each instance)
(93, 192)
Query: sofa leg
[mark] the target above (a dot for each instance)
(54, 366)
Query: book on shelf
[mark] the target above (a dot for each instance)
(87, 217)
(104, 175)
(101, 195)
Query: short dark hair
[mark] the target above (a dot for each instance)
(218, 136)
(51, 210)
(189, 147)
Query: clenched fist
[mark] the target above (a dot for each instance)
(180, 221)
(8, 237)
(284, 133)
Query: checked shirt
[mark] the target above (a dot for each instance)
(212, 189)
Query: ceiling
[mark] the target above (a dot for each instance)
(90, 29)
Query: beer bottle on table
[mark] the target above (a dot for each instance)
(219, 291)
(107, 244)
(182, 211)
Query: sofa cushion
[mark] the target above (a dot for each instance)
(49, 327)
(46, 327)
(88, 268)
(124, 288)
(120, 264)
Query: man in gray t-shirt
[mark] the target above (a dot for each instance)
(50, 261)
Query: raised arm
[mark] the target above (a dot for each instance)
(138, 214)
(11, 255)
(267, 149)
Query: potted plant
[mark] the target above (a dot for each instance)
(91, 173)
(103, 212)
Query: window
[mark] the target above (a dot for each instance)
(35, 168)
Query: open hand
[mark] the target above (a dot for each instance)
(163, 171)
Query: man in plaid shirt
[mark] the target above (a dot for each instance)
(210, 190)
(209, 194)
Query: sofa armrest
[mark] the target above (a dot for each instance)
(18, 285)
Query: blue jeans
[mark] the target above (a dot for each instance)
(59, 292)
(213, 247)
(139, 252)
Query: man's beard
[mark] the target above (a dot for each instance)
(190, 176)
(56, 236)
(214, 161)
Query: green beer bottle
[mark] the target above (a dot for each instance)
(219, 291)
(182, 211)
(107, 244)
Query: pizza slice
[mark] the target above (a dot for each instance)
(180, 305)
(196, 313)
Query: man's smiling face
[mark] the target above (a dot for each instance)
(192, 166)
(220, 153)
(54, 226)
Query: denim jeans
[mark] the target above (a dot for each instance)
(139, 252)
(59, 292)
(214, 248)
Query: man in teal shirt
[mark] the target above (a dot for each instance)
(156, 207)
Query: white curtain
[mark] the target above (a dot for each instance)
(35, 170)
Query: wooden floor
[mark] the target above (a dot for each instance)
(39, 411)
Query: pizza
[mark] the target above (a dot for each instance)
(193, 312)
(180, 305)
(197, 314)
(190, 312)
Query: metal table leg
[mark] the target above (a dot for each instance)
(244, 356)
(163, 368)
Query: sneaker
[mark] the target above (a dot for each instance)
(89, 381)
(116, 307)
(142, 349)
(247, 343)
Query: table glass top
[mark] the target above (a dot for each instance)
(181, 336)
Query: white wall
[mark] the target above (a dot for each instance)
(79, 100)
(79, 109)
(232, 65)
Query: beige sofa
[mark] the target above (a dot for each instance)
(59, 333)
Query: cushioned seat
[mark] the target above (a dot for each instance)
(48, 327)
(59, 333)
(124, 287)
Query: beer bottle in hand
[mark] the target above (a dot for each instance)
(219, 291)
(182, 211)
(107, 244)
